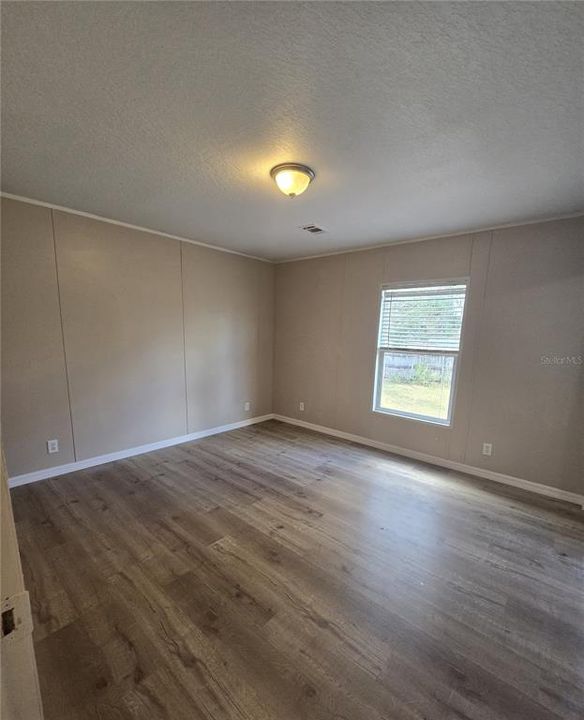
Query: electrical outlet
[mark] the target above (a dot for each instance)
(487, 448)
(301, 406)
(52, 446)
(247, 406)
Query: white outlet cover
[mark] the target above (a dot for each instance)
(301, 406)
(247, 406)
(52, 446)
(487, 448)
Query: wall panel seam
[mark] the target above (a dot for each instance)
(65, 361)
(340, 337)
(184, 334)
(258, 325)
(275, 339)
(477, 346)
(273, 344)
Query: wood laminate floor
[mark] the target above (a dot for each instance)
(272, 573)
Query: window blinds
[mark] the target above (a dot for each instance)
(422, 318)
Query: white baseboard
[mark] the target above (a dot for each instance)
(130, 452)
(546, 490)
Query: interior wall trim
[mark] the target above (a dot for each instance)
(91, 216)
(424, 238)
(46, 473)
(283, 261)
(546, 490)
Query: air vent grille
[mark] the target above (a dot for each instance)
(314, 229)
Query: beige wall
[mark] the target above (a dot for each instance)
(35, 405)
(122, 322)
(122, 338)
(533, 309)
(526, 300)
(229, 317)
(115, 296)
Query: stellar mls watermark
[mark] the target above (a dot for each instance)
(561, 360)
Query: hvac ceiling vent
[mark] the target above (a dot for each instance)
(314, 229)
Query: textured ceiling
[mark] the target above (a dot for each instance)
(418, 118)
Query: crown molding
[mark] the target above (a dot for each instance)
(81, 213)
(347, 251)
(407, 241)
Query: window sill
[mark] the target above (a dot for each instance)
(412, 416)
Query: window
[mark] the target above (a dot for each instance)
(417, 350)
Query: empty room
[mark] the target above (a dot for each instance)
(292, 360)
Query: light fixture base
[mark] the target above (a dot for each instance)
(292, 179)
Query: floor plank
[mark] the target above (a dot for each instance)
(272, 572)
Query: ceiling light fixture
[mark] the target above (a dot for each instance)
(291, 178)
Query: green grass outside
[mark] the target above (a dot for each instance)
(430, 399)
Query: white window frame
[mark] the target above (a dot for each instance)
(380, 350)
